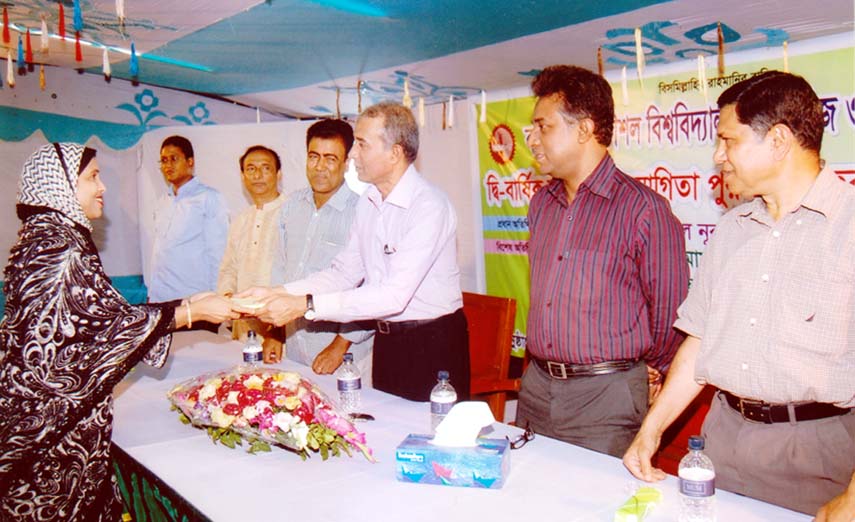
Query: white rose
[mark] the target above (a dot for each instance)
(221, 419)
(300, 432)
(207, 391)
(250, 412)
(262, 405)
(282, 421)
(232, 398)
(254, 382)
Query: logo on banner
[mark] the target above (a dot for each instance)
(502, 144)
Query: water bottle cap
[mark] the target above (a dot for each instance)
(696, 443)
(250, 334)
(442, 375)
(348, 357)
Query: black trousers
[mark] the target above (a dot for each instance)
(406, 362)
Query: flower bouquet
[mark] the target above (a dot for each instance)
(266, 406)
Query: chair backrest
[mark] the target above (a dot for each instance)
(491, 328)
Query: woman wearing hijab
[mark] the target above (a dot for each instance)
(67, 338)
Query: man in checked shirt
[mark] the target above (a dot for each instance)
(608, 271)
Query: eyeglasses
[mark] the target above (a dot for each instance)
(523, 439)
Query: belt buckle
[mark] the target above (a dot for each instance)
(383, 327)
(551, 364)
(764, 409)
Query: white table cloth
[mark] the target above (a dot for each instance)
(549, 480)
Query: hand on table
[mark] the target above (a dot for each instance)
(271, 348)
(637, 458)
(331, 357)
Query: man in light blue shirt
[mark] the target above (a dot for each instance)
(190, 230)
(314, 227)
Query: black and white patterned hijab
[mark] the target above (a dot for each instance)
(49, 179)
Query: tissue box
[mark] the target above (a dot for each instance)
(483, 466)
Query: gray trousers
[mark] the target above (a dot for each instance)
(602, 412)
(799, 466)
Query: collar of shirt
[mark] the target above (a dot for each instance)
(188, 189)
(601, 181)
(403, 193)
(270, 205)
(339, 200)
(824, 197)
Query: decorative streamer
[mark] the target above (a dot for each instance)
(421, 111)
(29, 49)
(10, 69)
(105, 65)
(120, 11)
(61, 26)
(20, 55)
(451, 111)
(78, 52)
(639, 58)
(702, 78)
(483, 117)
(134, 66)
(359, 97)
(407, 101)
(623, 87)
(600, 61)
(720, 51)
(45, 47)
(444, 108)
(42, 81)
(786, 58)
(338, 103)
(7, 37)
(78, 17)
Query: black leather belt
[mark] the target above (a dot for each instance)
(759, 411)
(393, 327)
(561, 370)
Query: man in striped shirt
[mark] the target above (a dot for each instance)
(608, 271)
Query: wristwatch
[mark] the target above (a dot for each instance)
(310, 308)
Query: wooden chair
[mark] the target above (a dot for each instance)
(675, 440)
(491, 329)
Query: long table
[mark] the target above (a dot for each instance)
(549, 479)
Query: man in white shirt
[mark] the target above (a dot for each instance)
(398, 271)
(314, 225)
(253, 242)
(190, 229)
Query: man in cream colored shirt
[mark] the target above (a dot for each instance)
(253, 243)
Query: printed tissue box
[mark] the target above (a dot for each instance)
(485, 465)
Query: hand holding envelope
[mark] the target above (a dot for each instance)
(271, 305)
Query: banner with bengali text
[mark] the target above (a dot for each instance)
(664, 136)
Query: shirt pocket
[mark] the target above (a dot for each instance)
(816, 313)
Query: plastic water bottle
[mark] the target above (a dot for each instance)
(442, 398)
(349, 385)
(251, 351)
(697, 484)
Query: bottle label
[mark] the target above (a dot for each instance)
(440, 408)
(345, 385)
(252, 356)
(697, 488)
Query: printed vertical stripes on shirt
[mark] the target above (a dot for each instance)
(608, 272)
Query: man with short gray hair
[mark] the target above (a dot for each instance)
(398, 272)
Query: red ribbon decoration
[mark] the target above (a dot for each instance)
(78, 53)
(29, 58)
(61, 21)
(7, 38)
